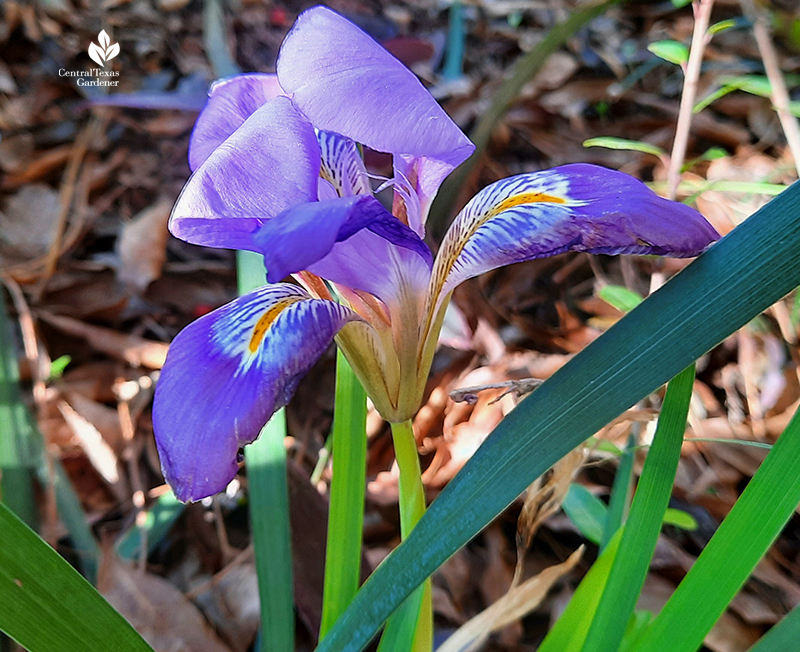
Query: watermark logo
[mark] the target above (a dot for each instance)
(105, 51)
(101, 55)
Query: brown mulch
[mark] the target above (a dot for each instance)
(85, 194)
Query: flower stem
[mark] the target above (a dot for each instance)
(412, 507)
(346, 517)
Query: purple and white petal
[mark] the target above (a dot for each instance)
(422, 176)
(353, 241)
(227, 373)
(270, 163)
(341, 165)
(346, 83)
(570, 208)
(230, 102)
(367, 261)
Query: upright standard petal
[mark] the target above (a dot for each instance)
(227, 373)
(346, 83)
(230, 102)
(267, 165)
(570, 208)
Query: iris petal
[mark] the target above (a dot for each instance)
(270, 163)
(342, 165)
(346, 83)
(227, 373)
(230, 102)
(570, 208)
(352, 241)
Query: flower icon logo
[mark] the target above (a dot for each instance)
(105, 51)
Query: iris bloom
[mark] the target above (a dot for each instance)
(277, 170)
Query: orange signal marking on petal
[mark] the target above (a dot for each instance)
(452, 248)
(524, 198)
(267, 319)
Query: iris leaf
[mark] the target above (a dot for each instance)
(16, 431)
(611, 142)
(638, 542)
(751, 268)
(782, 636)
(346, 518)
(269, 506)
(756, 520)
(47, 606)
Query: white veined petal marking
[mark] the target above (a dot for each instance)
(515, 197)
(341, 165)
(241, 331)
(499, 198)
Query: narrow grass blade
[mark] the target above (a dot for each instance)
(782, 636)
(744, 537)
(70, 511)
(22, 456)
(620, 493)
(751, 268)
(348, 485)
(524, 69)
(157, 523)
(46, 606)
(269, 517)
(16, 431)
(650, 502)
(265, 460)
(569, 632)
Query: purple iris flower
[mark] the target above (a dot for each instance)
(277, 170)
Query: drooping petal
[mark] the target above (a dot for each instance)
(570, 208)
(270, 163)
(352, 241)
(227, 373)
(230, 102)
(346, 83)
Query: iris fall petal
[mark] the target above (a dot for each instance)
(570, 208)
(227, 373)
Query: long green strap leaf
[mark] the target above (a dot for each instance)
(620, 497)
(639, 539)
(751, 268)
(22, 453)
(744, 537)
(269, 519)
(781, 637)
(46, 606)
(16, 431)
(265, 459)
(571, 628)
(348, 485)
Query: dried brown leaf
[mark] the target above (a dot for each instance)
(514, 605)
(142, 246)
(158, 610)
